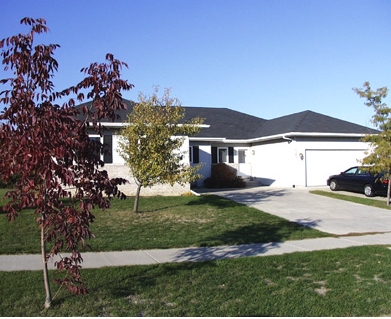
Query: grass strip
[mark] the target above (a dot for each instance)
(355, 199)
(343, 282)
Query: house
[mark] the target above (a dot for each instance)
(300, 149)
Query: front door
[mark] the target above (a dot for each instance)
(244, 167)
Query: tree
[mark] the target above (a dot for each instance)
(49, 149)
(151, 140)
(378, 158)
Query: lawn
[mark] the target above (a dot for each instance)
(380, 202)
(343, 282)
(165, 222)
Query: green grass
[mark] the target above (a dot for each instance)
(343, 282)
(380, 203)
(165, 222)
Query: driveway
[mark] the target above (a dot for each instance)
(325, 214)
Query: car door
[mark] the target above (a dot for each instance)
(360, 179)
(347, 179)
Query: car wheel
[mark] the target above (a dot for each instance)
(368, 191)
(334, 185)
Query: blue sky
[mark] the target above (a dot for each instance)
(268, 58)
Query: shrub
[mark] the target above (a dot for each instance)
(224, 176)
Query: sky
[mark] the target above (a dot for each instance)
(267, 58)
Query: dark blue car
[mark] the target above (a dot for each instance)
(357, 179)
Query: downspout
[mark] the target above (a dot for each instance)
(287, 139)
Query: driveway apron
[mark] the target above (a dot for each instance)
(326, 214)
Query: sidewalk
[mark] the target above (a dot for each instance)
(148, 257)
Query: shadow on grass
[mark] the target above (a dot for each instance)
(247, 241)
(213, 200)
(247, 197)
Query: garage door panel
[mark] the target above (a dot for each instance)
(320, 164)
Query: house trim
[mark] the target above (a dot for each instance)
(276, 137)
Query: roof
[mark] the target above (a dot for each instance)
(225, 123)
(312, 122)
(233, 125)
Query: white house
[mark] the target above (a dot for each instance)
(300, 149)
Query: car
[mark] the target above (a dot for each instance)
(359, 179)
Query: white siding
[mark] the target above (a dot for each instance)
(272, 164)
(117, 159)
(305, 162)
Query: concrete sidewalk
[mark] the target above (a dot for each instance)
(148, 257)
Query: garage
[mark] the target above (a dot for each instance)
(320, 164)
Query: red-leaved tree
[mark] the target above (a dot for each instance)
(49, 149)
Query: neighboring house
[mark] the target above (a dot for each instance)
(300, 149)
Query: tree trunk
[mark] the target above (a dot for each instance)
(137, 197)
(48, 299)
(388, 192)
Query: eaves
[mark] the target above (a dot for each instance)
(285, 136)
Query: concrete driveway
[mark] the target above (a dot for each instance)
(326, 214)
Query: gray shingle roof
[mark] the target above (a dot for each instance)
(230, 124)
(225, 122)
(311, 122)
(236, 125)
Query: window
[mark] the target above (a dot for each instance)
(108, 149)
(222, 155)
(194, 154)
(363, 172)
(107, 141)
(223, 152)
(96, 152)
(351, 171)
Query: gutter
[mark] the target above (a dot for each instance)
(276, 137)
(284, 136)
(123, 124)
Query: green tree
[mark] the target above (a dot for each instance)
(378, 158)
(151, 140)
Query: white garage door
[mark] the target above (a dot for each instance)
(320, 164)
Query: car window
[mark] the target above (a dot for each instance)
(351, 171)
(362, 172)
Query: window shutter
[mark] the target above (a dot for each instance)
(230, 154)
(214, 154)
(95, 147)
(196, 154)
(108, 149)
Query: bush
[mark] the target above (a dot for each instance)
(224, 176)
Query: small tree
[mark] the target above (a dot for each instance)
(49, 149)
(151, 141)
(378, 158)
